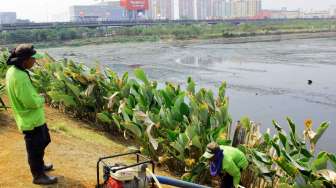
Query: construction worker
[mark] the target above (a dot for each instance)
(28, 110)
(226, 162)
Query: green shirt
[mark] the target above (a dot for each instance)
(26, 103)
(233, 162)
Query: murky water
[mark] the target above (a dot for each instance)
(266, 80)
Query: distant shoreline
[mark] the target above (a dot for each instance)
(273, 38)
(215, 40)
(262, 38)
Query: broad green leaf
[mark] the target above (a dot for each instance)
(264, 170)
(320, 162)
(332, 158)
(172, 135)
(262, 157)
(283, 138)
(196, 142)
(68, 100)
(277, 126)
(74, 89)
(204, 113)
(306, 153)
(140, 74)
(246, 123)
(191, 85)
(284, 185)
(319, 132)
(103, 117)
(291, 125)
(286, 166)
(221, 91)
(276, 147)
(133, 128)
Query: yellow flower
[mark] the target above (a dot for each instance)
(190, 162)
(308, 123)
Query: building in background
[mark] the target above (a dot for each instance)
(317, 14)
(108, 11)
(188, 9)
(7, 17)
(279, 14)
(332, 11)
(163, 10)
(245, 8)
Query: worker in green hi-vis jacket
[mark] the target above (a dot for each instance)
(226, 162)
(28, 110)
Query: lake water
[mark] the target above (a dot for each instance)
(266, 80)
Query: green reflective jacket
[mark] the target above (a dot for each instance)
(26, 103)
(233, 162)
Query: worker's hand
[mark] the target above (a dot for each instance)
(239, 186)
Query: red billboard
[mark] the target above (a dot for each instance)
(134, 4)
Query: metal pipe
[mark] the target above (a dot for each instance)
(178, 183)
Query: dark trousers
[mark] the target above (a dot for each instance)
(226, 181)
(36, 142)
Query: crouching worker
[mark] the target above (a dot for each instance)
(226, 162)
(28, 110)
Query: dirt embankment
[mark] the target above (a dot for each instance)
(74, 151)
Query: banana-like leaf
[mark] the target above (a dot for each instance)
(74, 89)
(298, 166)
(191, 85)
(291, 125)
(266, 172)
(104, 117)
(221, 91)
(319, 132)
(204, 113)
(332, 158)
(196, 142)
(321, 162)
(133, 128)
(209, 99)
(277, 126)
(246, 123)
(262, 157)
(286, 166)
(116, 120)
(276, 147)
(140, 74)
(68, 100)
(283, 138)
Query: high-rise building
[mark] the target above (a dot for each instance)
(7, 17)
(245, 8)
(188, 9)
(203, 9)
(99, 12)
(163, 9)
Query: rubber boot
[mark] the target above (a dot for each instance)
(44, 180)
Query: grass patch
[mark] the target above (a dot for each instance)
(81, 133)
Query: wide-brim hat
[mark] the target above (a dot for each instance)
(23, 52)
(210, 150)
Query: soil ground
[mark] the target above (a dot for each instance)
(74, 151)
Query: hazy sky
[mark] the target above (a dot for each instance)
(43, 10)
